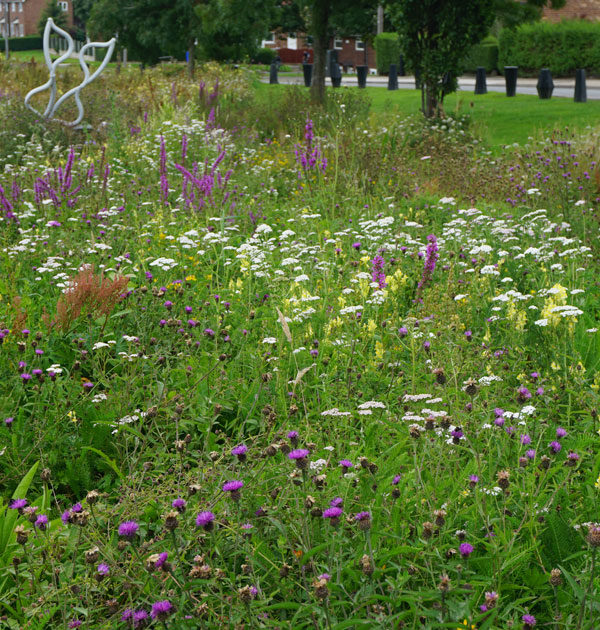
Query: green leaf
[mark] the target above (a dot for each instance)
(9, 517)
(110, 462)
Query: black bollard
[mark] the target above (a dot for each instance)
(401, 71)
(480, 81)
(393, 78)
(580, 88)
(335, 73)
(273, 74)
(307, 69)
(545, 84)
(510, 76)
(361, 75)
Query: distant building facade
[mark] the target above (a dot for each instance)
(294, 47)
(20, 17)
(574, 10)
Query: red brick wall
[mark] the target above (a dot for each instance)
(574, 10)
(32, 10)
(347, 56)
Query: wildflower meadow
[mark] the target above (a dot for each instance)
(268, 365)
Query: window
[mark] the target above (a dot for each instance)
(64, 5)
(269, 38)
(309, 40)
(20, 7)
(359, 44)
(292, 41)
(338, 43)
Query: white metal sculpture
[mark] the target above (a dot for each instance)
(54, 104)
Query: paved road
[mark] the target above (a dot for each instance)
(563, 88)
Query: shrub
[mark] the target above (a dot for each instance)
(483, 54)
(562, 47)
(31, 42)
(387, 47)
(264, 56)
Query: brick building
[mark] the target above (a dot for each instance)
(574, 10)
(21, 17)
(291, 48)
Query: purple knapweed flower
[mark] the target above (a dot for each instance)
(128, 529)
(18, 504)
(529, 621)
(205, 520)
(299, 453)
(560, 433)
(465, 550)
(337, 502)
(332, 512)
(103, 569)
(161, 610)
(239, 451)
(346, 464)
(41, 522)
(179, 504)
(555, 446)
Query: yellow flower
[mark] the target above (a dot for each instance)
(72, 417)
(371, 326)
(190, 278)
(378, 351)
(597, 484)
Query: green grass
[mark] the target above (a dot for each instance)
(498, 120)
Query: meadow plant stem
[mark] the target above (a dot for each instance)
(588, 589)
(75, 552)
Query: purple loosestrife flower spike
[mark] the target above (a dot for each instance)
(431, 257)
(377, 272)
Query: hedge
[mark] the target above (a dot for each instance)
(31, 42)
(264, 56)
(484, 54)
(563, 47)
(387, 47)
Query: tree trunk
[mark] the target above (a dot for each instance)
(320, 30)
(431, 99)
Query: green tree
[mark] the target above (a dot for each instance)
(322, 19)
(511, 13)
(52, 10)
(233, 29)
(149, 29)
(436, 35)
(81, 14)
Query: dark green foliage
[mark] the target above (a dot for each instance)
(387, 47)
(52, 10)
(562, 47)
(511, 13)
(559, 541)
(149, 29)
(230, 29)
(31, 42)
(435, 35)
(484, 54)
(264, 56)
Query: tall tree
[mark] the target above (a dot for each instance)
(513, 12)
(323, 19)
(52, 10)
(232, 29)
(436, 35)
(149, 29)
(81, 14)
